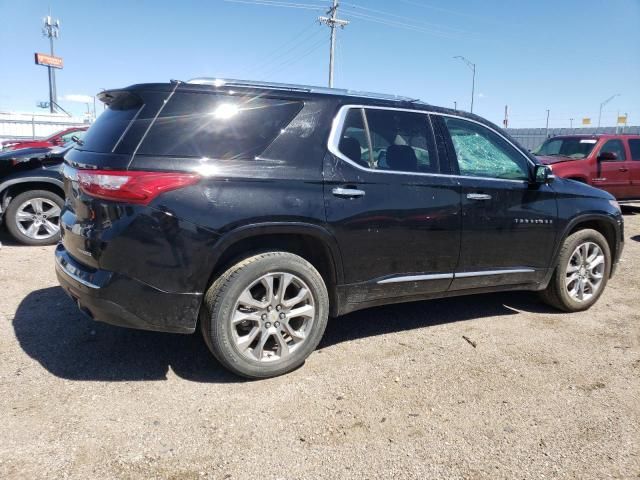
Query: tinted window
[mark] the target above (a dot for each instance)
(483, 153)
(353, 142)
(614, 146)
(634, 146)
(218, 126)
(567, 147)
(401, 141)
(67, 137)
(112, 123)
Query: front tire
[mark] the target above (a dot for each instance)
(584, 266)
(265, 315)
(33, 217)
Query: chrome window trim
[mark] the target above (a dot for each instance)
(444, 276)
(338, 124)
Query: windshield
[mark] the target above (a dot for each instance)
(575, 147)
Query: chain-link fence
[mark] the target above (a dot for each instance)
(31, 127)
(530, 138)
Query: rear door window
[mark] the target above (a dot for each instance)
(614, 146)
(634, 146)
(218, 126)
(401, 141)
(391, 140)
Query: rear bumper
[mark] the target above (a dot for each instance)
(119, 300)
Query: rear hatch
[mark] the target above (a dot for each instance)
(109, 145)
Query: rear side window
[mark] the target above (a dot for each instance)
(634, 146)
(111, 125)
(218, 126)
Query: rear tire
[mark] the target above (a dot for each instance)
(581, 274)
(265, 315)
(33, 217)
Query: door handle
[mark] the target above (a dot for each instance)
(344, 192)
(478, 196)
(623, 169)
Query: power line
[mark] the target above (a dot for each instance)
(297, 59)
(285, 62)
(397, 24)
(281, 51)
(403, 18)
(278, 3)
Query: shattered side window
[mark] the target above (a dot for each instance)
(482, 153)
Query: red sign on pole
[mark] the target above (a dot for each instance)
(48, 60)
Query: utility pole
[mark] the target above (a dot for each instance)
(455, 105)
(472, 66)
(51, 29)
(603, 104)
(333, 22)
(546, 133)
(505, 122)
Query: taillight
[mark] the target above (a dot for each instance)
(132, 186)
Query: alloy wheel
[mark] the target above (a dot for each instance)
(273, 317)
(38, 218)
(585, 271)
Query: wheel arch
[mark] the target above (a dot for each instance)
(312, 242)
(15, 186)
(601, 223)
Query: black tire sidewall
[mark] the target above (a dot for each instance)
(571, 243)
(11, 222)
(222, 298)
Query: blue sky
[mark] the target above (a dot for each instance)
(564, 55)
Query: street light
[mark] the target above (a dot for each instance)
(603, 104)
(472, 66)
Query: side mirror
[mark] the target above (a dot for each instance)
(543, 174)
(77, 140)
(607, 157)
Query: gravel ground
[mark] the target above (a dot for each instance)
(393, 392)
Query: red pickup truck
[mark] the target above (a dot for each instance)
(610, 162)
(57, 139)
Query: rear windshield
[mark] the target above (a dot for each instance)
(575, 147)
(218, 126)
(107, 130)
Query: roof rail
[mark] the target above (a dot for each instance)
(224, 82)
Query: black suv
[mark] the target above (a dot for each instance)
(31, 193)
(256, 211)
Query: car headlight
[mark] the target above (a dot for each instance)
(614, 204)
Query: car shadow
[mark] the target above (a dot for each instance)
(408, 316)
(8, 240)
(630, 209)
(51, 330)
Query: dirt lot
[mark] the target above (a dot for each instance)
(393, 392)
